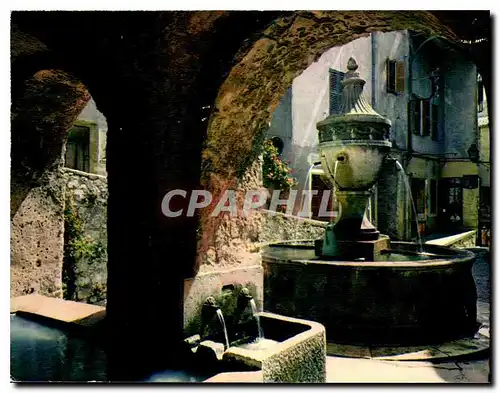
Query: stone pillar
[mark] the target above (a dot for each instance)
(153, 146)
(149, 254)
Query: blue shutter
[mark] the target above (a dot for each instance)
(336, 77)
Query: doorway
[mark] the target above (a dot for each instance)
(450, 210)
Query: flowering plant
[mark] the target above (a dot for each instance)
(276, 172)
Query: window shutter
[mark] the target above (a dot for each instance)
(336, 78)
(414, 116)
(435, 122)
(426, 118)
(400, 76)
(391, 75)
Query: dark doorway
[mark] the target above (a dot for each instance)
(278, 144)
(450, 209)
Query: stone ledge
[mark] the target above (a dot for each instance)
(305, 220)
(67, 311)
(93, 176)
(450, 240)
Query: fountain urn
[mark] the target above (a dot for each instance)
(352, 145)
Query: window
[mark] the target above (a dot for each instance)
(336, 78)
(434, 122)
(480, 94)
(395, 76)
(77, 149)
(425, 129)
(424, 118)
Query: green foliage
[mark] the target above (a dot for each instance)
(276, 172)
(249, 159)
(77, 246)
(98, 294)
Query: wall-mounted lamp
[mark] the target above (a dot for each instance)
(473, 153)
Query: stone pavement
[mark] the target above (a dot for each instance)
(349, 370)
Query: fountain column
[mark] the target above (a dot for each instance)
(353, 145)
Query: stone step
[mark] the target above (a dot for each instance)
(58, 309)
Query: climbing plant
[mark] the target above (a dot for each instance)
(276, 172)
(77, 246)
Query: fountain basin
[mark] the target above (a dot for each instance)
(293, 351)
(48, 350)
(403, 297)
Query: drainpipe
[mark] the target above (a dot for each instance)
(373, 206)
(409, 145)
(374, 64)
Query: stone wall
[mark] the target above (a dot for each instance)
(37, 240)
(85, 247)
(59, 238)
(279, 227)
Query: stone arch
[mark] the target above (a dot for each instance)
(248, 96)
(46, 100)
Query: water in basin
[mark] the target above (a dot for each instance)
(40, 353)
(303, 252)
(260, 344)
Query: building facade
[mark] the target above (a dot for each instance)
(428, 89)
(86, 144)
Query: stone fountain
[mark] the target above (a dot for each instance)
(352, 147)
(364, 288)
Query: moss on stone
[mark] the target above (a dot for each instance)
(236, 320)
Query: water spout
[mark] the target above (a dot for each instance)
(223, 324)
(208, 310)
(255, 314)
(306, 187)
(330, 244)
(408, 190)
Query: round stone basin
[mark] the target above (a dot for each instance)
(403, 297)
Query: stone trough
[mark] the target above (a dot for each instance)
(294, 351)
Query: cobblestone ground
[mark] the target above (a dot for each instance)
(481, 273)
(472, 369)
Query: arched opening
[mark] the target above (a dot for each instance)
(84, 271)
(278, 144)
